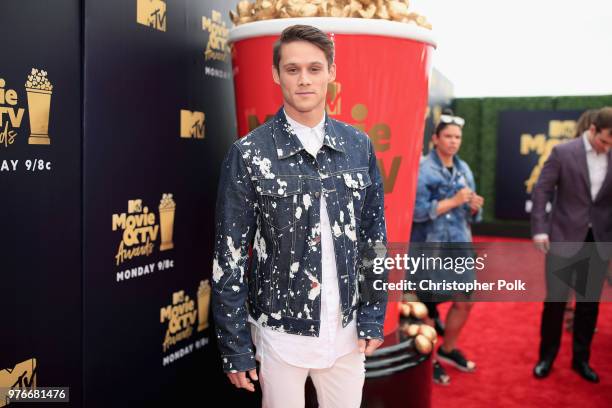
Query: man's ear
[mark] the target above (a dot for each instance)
(332, 72)
(275, 75)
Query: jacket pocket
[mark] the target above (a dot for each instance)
(356, 182)
(280, 197)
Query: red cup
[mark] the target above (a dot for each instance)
(381, 87)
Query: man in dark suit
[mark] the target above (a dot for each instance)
(579, 174)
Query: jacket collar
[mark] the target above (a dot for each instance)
(433, 155)
(287, 143)
(580, 151)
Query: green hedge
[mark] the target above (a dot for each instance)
(582, 102)
(479, 146)
(470, 110)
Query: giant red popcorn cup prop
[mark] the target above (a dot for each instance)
(381, 87)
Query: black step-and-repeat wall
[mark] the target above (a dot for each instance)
(525, 140)
(116, 115)
(40, 195)
(159, 114)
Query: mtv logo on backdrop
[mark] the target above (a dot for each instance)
(134, 206)
(151, 13)
(22, 376)
(192, 124)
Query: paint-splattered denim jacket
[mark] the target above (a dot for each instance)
(269, 197)
(437, 183)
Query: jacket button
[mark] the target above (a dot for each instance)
(317, 194)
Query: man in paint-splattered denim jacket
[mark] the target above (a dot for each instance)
(269, 195)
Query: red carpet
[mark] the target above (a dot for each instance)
(503, 338)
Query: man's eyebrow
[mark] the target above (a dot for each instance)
(309, 63)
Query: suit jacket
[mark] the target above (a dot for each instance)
(565, 175)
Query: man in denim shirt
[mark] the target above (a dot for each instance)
(306, 192)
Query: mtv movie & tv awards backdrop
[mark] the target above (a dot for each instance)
(114, 118)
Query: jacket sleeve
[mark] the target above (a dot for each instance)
(235, 223)
(373, 242)
(543, 193)
(425, 207)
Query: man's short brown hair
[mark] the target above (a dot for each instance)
(304, 33)
(603, 119)
(585, 121)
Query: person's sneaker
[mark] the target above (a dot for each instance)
(456, 359)
(439, 374)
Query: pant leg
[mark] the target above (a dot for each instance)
(432, 309)
(585, 320)
(557, 292)
(341, 385)
(282, 384)
(427, 299)
(587, 306)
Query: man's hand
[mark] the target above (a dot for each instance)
(368, 346)
(542, 243)
(240, 379)
(476, 203)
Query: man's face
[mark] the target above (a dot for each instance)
(303, 75)
(448, 141)
(602, 140)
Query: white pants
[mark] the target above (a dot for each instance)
(282, 384)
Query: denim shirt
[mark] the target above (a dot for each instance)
(269, 197)
(437, 183)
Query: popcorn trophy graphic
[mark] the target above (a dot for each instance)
(167, 207)
(39, 91)
(203, 304)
